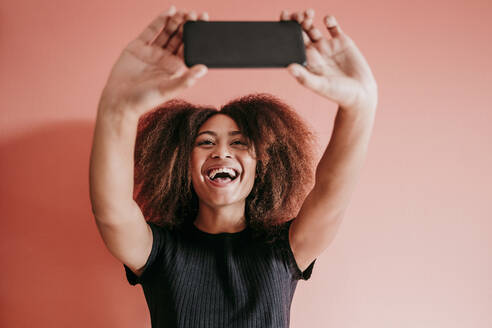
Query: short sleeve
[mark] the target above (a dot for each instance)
(294, 268)
(159, 239)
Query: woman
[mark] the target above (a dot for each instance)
(207, 236)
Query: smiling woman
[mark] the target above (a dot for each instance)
(257, 135)
(217, 189)
(198, 202)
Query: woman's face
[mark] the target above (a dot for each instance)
(220, 144)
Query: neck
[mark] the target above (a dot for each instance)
(229, 218)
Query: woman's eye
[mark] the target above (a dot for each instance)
(209, 142)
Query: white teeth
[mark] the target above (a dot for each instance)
(231, 172)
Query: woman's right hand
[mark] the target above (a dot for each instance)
(151, 69)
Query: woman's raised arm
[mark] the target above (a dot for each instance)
(149, 72)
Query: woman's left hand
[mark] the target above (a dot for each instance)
(335, 69)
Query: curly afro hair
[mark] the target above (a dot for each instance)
(285, 152)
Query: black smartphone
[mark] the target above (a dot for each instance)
(243, 44)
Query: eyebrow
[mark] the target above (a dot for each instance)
(231, 133)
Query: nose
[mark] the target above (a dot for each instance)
(221, 151)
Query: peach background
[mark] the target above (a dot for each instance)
(414, 248)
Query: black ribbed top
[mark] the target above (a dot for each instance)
(196, 279)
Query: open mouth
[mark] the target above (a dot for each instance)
(222, 177)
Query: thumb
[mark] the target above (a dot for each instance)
(196, 72)
(297, 70)
(171, 87)
(191, 76)
(305, 77)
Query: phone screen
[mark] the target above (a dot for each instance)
(239, 44)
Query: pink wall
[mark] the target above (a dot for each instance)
(414, 248)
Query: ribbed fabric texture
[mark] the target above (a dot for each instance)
(196, 279)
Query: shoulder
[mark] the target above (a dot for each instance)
(275, 237)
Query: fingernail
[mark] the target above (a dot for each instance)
(330, 21)
(295, 70)
(201, 72)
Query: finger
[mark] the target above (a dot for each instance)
(153, 30)
(171, 27)
(306, 24)
(308, 19)
(306, 39)
(203, 17)
(284, 15)
(315, 35)
(297, 17)
(309, 13)
(310, 33)
(332, 26)
(317, 40)
(176, 40)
